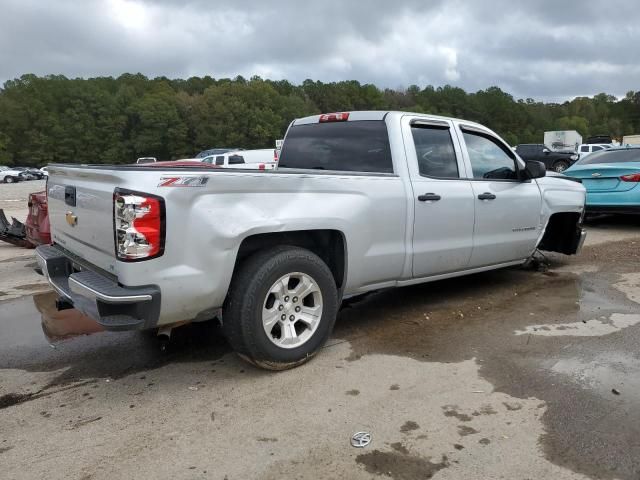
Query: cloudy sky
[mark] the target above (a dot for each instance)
(544, 49)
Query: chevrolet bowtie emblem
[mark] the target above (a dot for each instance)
(71, 219)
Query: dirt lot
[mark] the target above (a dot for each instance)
(508, 374)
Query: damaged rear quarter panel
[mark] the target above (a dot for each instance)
(206, 226)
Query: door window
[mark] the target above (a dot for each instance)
(435, 153)
(236, 160)
(584, 148)
(220, 160)
(489, 159)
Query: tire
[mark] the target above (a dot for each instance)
(9, 180)
(560, 166)
(251, 299)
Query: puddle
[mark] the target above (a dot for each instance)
(34, 336)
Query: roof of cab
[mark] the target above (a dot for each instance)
(381, 115)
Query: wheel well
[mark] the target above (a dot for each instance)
(559, 236)
(329, 245)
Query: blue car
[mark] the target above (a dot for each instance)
(612, 180)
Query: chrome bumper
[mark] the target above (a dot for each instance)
(113, 306)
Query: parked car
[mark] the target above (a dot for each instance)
(360, 201)
(612, 180)
(263, 159)
(556, 161)
(588, 148)
(29, 173)
(44, 171)
(10, 175)
(216, 151)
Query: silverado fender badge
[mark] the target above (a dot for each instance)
(183, 181)
(72, 219)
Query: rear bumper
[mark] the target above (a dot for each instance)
(113, 306)
(613, 209)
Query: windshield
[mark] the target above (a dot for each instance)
(612, 156)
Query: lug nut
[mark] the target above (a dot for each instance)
(286, 299)
(283, 317)
(298, 309)
(292, 318)
(281, 307)
(295, 299)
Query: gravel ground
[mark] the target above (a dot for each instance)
(508, 374)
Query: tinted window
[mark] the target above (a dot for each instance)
(361, 146)
(235, 159)
(435, 153)
(595, 149)
(220, 160)
(612, 156)
(489, 159)
(584, 148)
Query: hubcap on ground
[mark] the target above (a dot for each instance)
(292, 310)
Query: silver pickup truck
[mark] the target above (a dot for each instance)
(360, 201)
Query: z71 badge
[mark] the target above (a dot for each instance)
(183, 181)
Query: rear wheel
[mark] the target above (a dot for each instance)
(281, 308)
(9, 179)
(560, 166)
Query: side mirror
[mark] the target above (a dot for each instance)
(535, 169)
(545, 151)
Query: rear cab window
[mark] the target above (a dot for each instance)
(351, 146)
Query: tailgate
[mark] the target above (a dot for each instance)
(81, 213)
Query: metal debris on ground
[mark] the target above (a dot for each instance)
(13, 232)
(360, 439)
(615, 391)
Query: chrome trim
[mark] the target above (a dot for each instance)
(86, 291)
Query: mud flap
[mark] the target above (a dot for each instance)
(13, 232)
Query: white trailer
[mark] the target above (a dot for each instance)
(631, 140)
(562, 140)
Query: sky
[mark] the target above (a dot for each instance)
(549, 50)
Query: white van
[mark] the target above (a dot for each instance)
(263, 159)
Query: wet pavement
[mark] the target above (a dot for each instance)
(515, 373)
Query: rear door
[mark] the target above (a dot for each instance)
(442, 197)
(507, 210)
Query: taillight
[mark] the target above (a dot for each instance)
(334, 117)
(261, 166)
(633, 177)
(139, 225)
(275, 155)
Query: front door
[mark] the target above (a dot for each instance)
(507, 209)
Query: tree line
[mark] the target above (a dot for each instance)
(115, 120)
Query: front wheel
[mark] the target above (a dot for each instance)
(9, 180)
(281, 308)
(560, 166)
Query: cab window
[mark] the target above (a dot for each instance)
(236, 160)
(220, 160)
(489, 159)
(434, 151)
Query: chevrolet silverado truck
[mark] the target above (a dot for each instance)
(361, 201)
